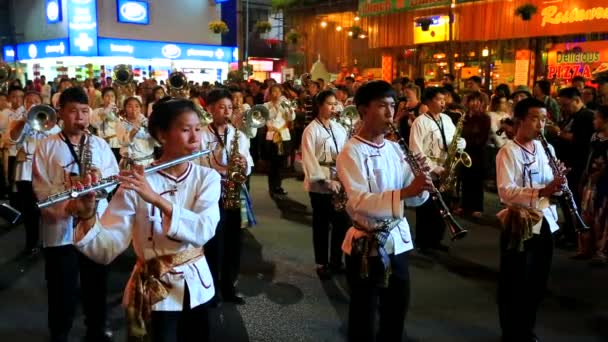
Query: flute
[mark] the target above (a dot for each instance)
(112, 181)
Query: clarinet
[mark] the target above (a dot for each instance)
(455, 229)
(572, 208)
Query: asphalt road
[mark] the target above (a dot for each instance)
(453, 295)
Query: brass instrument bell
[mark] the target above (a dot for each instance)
(256, 117)
(42, 117)
(6, 72)
(123, 74)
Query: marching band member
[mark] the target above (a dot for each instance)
(378, 182)
(224, 250)
(168, 216)
(15, 112)
(431, 135)
(26, 138)
(105, 119)
(525, 182)
(136, 143)
(55, 160)
(278, 139)
(322, 140)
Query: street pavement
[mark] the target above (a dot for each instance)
(452, 297)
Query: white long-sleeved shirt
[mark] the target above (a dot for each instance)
(495, 118)
(373, 176)
(51, 159)
(194, 197)
(520, 174)
(426, 139)
(8, 116)
(105, 128)
(320, 148)
(277, 120)
(27, 141)
(138, 147)
(218, 159)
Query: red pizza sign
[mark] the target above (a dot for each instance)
(568, 60)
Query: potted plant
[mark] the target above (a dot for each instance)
(526, 11)
(424, 22)
(218, 27)
(263, 26)
(356, 32)
(278, 5)
(292, 37)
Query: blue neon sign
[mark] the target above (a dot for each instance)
(53, 11)
(8, 54)
(181, 51)
(133, 12)
(82, 27)
(43, 49)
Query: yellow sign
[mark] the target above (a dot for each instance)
(552, 15)
(438, 31)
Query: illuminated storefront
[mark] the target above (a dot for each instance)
(83, 51)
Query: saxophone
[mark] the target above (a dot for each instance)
(232, 184)
(86, 165)
(447, 182)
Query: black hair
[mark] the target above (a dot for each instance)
(14, 88)
(73, 94)
(475, 79)
(35, 93)
(473, 96)
(157, 88)
(602, 111)
(65, 79)
(315, 83)
(3, 94)
(349, 78)
(165, 111)
(218, 94)
(503, 90)
(523, 107)
(578, 79)
(544, 86)
(431, 92)
(569, 93)
(320, 99)
(235, 89)
(495, 101)
(342, 88)
(106, 90)
(450, 77)
(129, 99)
(373, 90)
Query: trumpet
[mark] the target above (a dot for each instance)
(42, 118)
(112, 181)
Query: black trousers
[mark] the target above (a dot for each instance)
(323, 213)
(367, 300)
(223, 251)
(429, 225)
(472, 188)
(522, 284)
(30, 213)
(190, 324)
(13, 197)
(276, 164)
(63, 266)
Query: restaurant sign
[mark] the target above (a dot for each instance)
(377, 7)
(568, 60)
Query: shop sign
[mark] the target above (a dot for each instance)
(53, 11)
(133, 12)
(554, 16)
(150, 49)
(376, 7)
(82, 27)
(8, 53)
(568, 60)
(43, 49)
